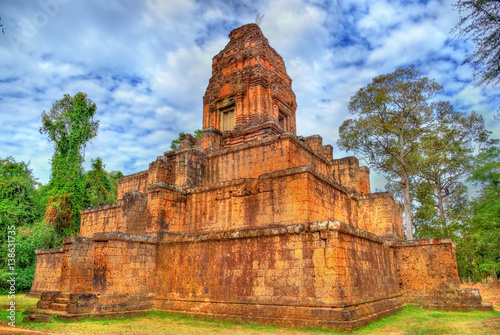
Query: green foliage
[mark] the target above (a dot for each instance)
(28, 239)
(24, 203)
(446, 159)
(393, 113)
(19, 201)
(424, 147)
(480, 22)
(69, 125)
(484, 232)
(20, 208)
(175, 143)
(102, 186)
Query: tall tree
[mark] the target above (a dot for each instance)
(70, 126)
(447, 155)
(480, 21)
(394, 113)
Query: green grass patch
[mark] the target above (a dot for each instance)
(411, 320)
(21, 304)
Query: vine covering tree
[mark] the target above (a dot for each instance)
(70, 126)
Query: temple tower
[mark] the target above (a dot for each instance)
(249, 85)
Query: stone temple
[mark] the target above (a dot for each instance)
(250, 221)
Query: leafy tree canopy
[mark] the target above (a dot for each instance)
(393, 113)
(480, 21)
(447, 154)
(18, 196)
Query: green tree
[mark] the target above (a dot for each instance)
(22, 210)
(485, 222)
(480, 21)
(69, 125)
(19, 203)
(102, 186)
(446, 159)
(394, 113)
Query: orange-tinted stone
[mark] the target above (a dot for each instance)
(250, 221)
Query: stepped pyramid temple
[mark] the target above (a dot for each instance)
(250, 221)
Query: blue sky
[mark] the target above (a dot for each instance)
(146, 64)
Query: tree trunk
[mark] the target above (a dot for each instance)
(440, 207)
(407, 207)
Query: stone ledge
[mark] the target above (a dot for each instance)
(292, 229)
(287, 302)
(49, 251)
(346, 318)
(99, 208)
(161, 186)
(117, 236)
(459, 308)
(423, 242)
(76, 239)
(76, 317)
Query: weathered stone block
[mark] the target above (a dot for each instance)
(37, 318)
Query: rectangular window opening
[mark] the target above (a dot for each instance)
(282, 121)
(227, 119)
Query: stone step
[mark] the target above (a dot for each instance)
(43, 304)
(63, 295)
(58, 307)
(37, 318)
(61, 301)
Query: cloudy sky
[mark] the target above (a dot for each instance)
(146, 65)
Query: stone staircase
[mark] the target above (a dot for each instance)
(53, 301)
(73, 306)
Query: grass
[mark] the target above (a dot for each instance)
(411, 320)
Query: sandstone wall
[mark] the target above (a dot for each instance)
(99, 219)
(123, 264)
(296, 195)
(347, 172)
(134, 182)
(48, 271)
(323, 265)
(261, 157)
(381, 215)
(77, 264)
(166, 208)
(427, 269)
